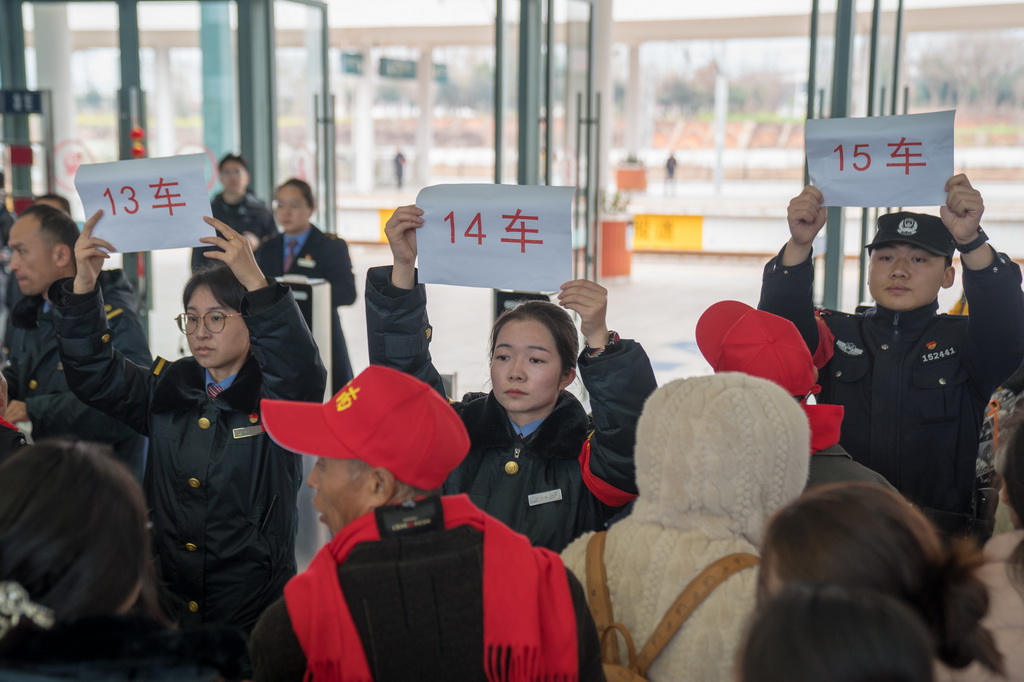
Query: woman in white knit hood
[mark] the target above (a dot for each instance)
(715, 457)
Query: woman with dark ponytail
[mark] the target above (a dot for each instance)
(862, 536)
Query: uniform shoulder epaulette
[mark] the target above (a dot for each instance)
(158, 365)
(111, 311)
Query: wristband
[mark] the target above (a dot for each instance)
(973, 244)
(613, 337)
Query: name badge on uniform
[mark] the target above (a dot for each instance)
(306, 262)
(247, 431)
(543, 498)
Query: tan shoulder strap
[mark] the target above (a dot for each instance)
(598, 597)
(691, 597)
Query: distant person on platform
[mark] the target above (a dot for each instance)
(670, 174)
(305, 250)
(399, 168)
(57, 201)
(239, 209)
(42, 251)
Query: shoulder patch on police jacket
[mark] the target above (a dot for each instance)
(111, 314)
(158, 365)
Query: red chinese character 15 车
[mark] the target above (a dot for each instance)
(902, 151)
(523, 230)
(163, 191)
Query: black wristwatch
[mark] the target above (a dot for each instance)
(973, 244)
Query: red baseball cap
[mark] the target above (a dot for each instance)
(733, 337)
(385, 418)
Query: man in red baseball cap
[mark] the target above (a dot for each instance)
(412, 585)
(733, 337)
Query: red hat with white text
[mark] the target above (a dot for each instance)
(385, 418)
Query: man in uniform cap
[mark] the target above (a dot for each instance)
(733, 337)
(914, 383)
(412, 586)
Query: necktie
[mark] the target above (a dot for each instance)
(289, 260)
(213, 390)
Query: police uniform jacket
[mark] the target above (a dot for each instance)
(324, 257)
(36, 376)
(573, 473)
(249, 215)
(914, 384)
(222, 494)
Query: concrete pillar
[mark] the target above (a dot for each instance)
(634, 88)
(425, 124)
(53, 69)
(602, 60)
(220, 134)
(162, 107)
(363, 143)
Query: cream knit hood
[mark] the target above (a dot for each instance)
(719, 454)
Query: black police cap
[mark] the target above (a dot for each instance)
(918, 229)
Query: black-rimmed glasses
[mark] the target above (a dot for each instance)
(214, 321)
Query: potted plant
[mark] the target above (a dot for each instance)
(631, 176)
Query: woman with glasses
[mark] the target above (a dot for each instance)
(221, 493)
(305, 250)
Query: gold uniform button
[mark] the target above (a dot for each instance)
(194, 482)
(105, 338)
(253, 419)
(193, 607)
(511, 468)
(33, 384)
(204, 423)
(190, 547)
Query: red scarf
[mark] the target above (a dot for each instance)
(525, 640)
(826, 422)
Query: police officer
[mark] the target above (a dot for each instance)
(914, 383)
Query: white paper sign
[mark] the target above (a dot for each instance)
(883, 160)
(496, 236)
(148, 204)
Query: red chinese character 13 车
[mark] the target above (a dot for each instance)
(163, 191)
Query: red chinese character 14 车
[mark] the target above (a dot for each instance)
(163, 191)
(522, 229)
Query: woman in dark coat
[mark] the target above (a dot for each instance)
(222, 494)
(316, 255)
(537, 461)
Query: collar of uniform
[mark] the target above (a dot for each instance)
(182, 387)
(560, 436)
(27, 311)
(911, 322)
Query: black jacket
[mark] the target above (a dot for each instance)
(548, 461)
(914, 384)
(416, 603)
(35, 373)
(326, 257)
(250, 215)
(222, 493)
(114, 648)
